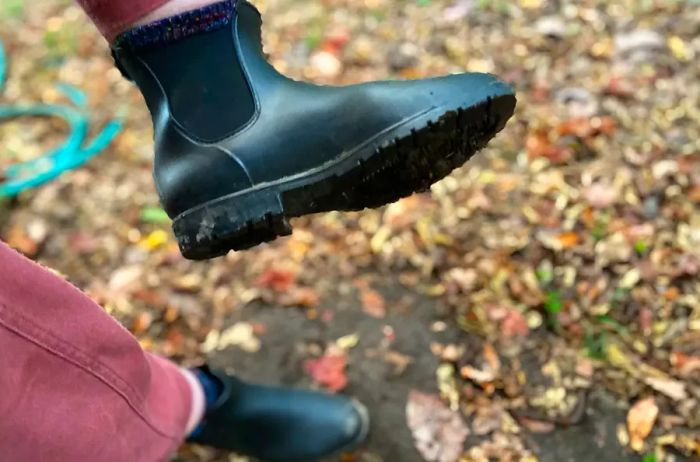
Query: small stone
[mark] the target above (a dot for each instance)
(403, 57)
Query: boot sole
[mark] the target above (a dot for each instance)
(406, 159)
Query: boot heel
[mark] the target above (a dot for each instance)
(237, 222)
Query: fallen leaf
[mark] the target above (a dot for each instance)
(141, 323)
(126, 279)
(188, 283)
(491, 357)
(685, 364)
(348, 342)
(587, 127)
(278, 280)
(398, 360)
(328, 371)
(630, 279)
(241, 335)
(514, 324)
(600, 195)
(299, 296)
(568, 240)
(438, 432)
(154, 240)
(487, 420)
(536, 426)
(477, 375)
(18, 239)
(373, 303)
(640, 421)
(670, 387)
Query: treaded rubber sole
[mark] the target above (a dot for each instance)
(405, 161)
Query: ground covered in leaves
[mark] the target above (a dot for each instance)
(542, 303)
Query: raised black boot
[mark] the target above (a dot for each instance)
(279, 424)
(241, 148)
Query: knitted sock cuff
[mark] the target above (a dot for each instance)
(181, 26)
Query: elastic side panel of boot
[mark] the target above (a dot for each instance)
(206, 89)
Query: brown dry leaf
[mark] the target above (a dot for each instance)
(488, 418)
(685, 364)
(491, 357)
(694, 193)
(398, 360)
(477, 375)
(672, 388)
(536, 426)
(141, 323)
(299, 296)
(438, 432)
(539, 145)
(18, 239)
(640, 421)
(586, 128)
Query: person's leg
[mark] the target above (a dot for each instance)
(76, 386)
(114, 16)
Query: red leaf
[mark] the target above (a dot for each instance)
(278, 280)
(514, 324)
(328, 371)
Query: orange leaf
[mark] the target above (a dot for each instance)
(640, 421)
(141, 323)
(278, 280)
(373, 303)
(299, 296)
(568, 239)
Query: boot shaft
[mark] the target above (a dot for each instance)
(190, 68)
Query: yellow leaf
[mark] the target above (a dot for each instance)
(347, 342)
(616, 356)
(531, 4)
(154, 240)
(380, 238)
(630, 279)
(678, 48)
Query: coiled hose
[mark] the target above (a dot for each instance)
(71, 154)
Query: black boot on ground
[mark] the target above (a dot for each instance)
(281, 425)
(241, 148)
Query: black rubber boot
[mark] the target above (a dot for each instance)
(277, 424)
(241, 148)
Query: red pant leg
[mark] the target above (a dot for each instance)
(110, 16)
(74, 385)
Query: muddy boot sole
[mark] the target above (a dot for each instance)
(402, 161)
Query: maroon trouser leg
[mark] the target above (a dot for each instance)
(74, 385)
(112, 16)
